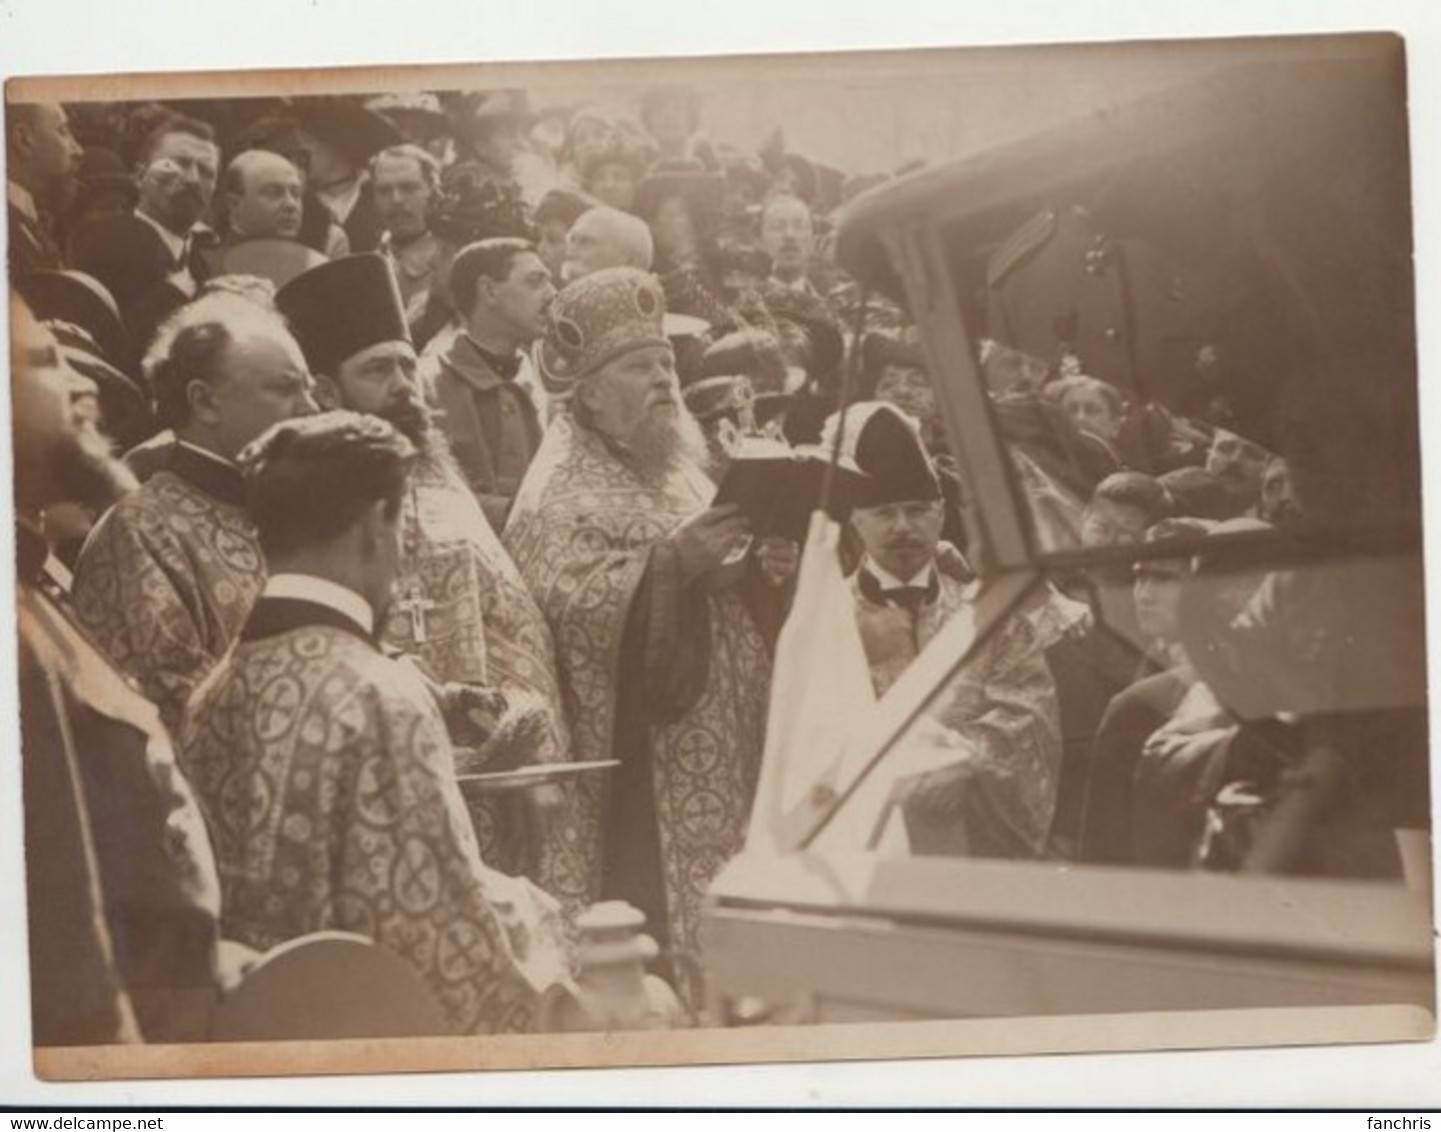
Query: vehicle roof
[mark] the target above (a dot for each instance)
(1245, 120)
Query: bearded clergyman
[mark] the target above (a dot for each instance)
(460, 606)
(646, 589)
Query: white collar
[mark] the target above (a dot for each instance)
(889, 581)
(209, 455)
(321, 591)
(176, 244)
(21, 199)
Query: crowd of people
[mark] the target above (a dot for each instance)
(423, 402)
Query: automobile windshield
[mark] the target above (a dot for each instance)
(1179, 393)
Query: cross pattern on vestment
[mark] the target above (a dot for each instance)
(465, 945)
(417, 605)
(413, 877)
(704, 809)
(695, 751)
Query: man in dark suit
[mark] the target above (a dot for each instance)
(42, 158)
(149, 260)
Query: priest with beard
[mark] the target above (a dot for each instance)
(122, 887)
(323, 766)
(461, 609)
(662, 665)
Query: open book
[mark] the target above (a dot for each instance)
(778, 487)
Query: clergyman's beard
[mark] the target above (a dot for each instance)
(413, 421)
(665, 442)
(86, 472)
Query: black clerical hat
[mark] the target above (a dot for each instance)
(342, 307)
(888, 449)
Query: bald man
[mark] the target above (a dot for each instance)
(606, 237)
(263, 196)
(42, 159)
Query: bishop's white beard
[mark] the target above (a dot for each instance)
(665, 442)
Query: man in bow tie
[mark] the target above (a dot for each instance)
(503, 290)
(999, 715)
(901, 598)
(150, 259)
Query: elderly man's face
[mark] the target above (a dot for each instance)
(637, 387)
(590, 246)
(901, 538)
(402, 197)
(262, 381)
(788, 235)
(177, 186)
(269, 203)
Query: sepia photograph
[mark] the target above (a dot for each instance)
(716, 558)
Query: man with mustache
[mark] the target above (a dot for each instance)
(149, 260)
(403, 182)
(42, 159)
(1240, 465)
(169, 573)
(788, 236)
(1000, 713)
(662, 665)
(460, 606)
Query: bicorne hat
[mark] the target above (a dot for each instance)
(886, 445)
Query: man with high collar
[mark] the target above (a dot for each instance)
(42, 161)
(150, 260)
(1000, 712)
(123, 894)
(662, 664)
(168, 575)
(323, 766)
(461, 607)
(503, 291)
